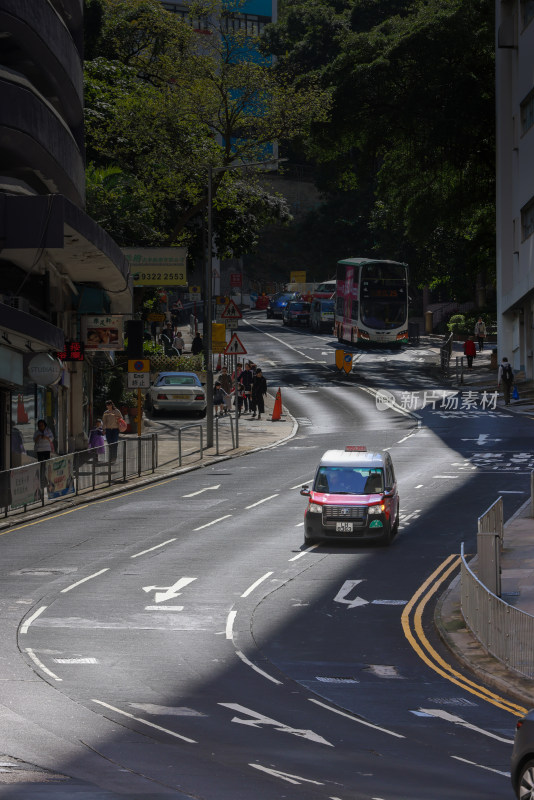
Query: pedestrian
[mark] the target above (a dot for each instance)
(110, 421)
(166, 339)
(178, 343)
(97, 440)
(226, 383)
(259, 390)
(197, 345)
(245, 379)
(480, 333)
(218, 399)
(506, 377)
(44, 441)
(470, 351)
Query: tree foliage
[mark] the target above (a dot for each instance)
(411, 134)
(162, 104)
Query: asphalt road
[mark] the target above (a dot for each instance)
(180, 641)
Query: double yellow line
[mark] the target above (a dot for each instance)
(412, 625)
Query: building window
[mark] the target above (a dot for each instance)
(527, 11)
(527, 220)
(251, 24)
(196, 22)
(527, 113)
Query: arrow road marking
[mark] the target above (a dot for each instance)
(259, 719)
(285, 776)
(346, 589)
(437, 712)
(168, 592)
(206, 489)
(482, 438)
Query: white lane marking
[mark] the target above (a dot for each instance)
(356, 719)
(276, 338)
(510, 491)
(393, 406)
(300, 485)
(150, 549)
(256, 720)
(249, 663)
(482, 439)
(89, 577)
(230, 624)
(419, 486)
(88, 660)
(285, 776)
(299, 525)
(255, 584)
(145, 722)
(164, 608)
(212, 522)
(406, 437)
(41, 665)
(440, 714)
(446, 476)
(206, 489)
(24, 628)
(163, 593)
(474, 764)
(261, 501)
(304, 552)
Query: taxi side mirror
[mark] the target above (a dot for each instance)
(305, 491)
(388, 491)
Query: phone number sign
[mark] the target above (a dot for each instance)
(157, 266)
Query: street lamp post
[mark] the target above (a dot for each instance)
(208, 293)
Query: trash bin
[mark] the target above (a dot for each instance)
(413, 332)
(429, 324)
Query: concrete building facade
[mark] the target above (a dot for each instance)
(56, 263)
(515, 182)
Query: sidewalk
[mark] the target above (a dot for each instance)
(253, 435)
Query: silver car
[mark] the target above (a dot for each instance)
(176, 391)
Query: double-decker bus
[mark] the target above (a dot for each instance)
(371, 301)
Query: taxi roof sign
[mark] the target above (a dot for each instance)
(356, 448)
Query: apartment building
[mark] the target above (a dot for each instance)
(515, 181)
(56, 264)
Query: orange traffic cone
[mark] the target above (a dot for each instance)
(277, 410)
(22, 416)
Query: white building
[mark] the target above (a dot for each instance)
(515, 181)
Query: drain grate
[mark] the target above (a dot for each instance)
(335, 679)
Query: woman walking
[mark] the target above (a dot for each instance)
(110, 421)
(44, 440)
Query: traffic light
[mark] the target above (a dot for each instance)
(134, 334)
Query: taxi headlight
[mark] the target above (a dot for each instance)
(374, 509)
(315, 508)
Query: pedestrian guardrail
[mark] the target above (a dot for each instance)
(194, 426)
(504, 631)
(226, 422)
(445, 356)
(60, 477)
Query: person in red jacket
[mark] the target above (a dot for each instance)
(470, 351)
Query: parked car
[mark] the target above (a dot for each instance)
(322, 315)
(176, 391)
(522, 766)
(354, 496)
(278, 302)
(297, 312)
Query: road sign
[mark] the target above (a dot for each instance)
(235, 347)
(138, 380)
(231, 311)
(347, 362)
(139, 365)
(236, 279)
(153, 317)
(231, 324)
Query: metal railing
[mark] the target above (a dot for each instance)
(224, 421)
(504, 631)
(58, 478)
(445, 356)
(201, 439)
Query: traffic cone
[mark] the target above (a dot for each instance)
(277, 410)
(22, 416)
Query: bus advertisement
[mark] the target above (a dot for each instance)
(371, 301)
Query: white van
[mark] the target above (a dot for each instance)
(322, 315)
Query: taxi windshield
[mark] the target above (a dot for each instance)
(349, 480)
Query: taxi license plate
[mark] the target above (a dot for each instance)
(344, 527)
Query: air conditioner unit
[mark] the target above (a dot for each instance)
(20, 303)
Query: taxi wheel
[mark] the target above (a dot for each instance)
(387, 538)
